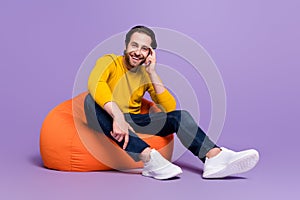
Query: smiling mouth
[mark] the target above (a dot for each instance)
(135, 58)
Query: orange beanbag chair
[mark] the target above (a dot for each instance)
(68, 144)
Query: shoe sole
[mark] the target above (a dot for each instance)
(163, 177)
(238, 166)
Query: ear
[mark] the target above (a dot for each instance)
(125, 47)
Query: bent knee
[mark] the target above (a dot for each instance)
(180, 114)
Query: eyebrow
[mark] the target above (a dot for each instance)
(133, 42)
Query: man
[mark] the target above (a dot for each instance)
(117, 85)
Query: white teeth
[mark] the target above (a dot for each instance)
(135, 58)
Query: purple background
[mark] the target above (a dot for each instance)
(255, 45)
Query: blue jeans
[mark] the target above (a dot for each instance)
(160, 124)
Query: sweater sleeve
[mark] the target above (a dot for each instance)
(98, 80)
(164, 99)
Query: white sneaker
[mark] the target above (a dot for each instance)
(228, 162)
(160, 168)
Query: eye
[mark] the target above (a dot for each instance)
(134, 45)
(145, 49)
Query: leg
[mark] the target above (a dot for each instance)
(155, 165)
(101, 121)
(181, 122)
(220, 162)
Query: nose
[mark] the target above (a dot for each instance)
(137, 51)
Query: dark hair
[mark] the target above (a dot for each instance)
(141, 29)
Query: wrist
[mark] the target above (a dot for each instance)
(114, 111)
(152, 72)
(118, 116)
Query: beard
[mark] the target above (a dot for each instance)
(133, 60)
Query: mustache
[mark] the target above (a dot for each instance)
(132, 53)
(136, 55)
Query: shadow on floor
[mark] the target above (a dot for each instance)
(199, 171)
(36, 160)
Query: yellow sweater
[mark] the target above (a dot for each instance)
(110, 80)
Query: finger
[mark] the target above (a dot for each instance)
(147, 60)
(116, 136)
(120, 138)
(126, 140)
(112, 134)
(152, 52)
